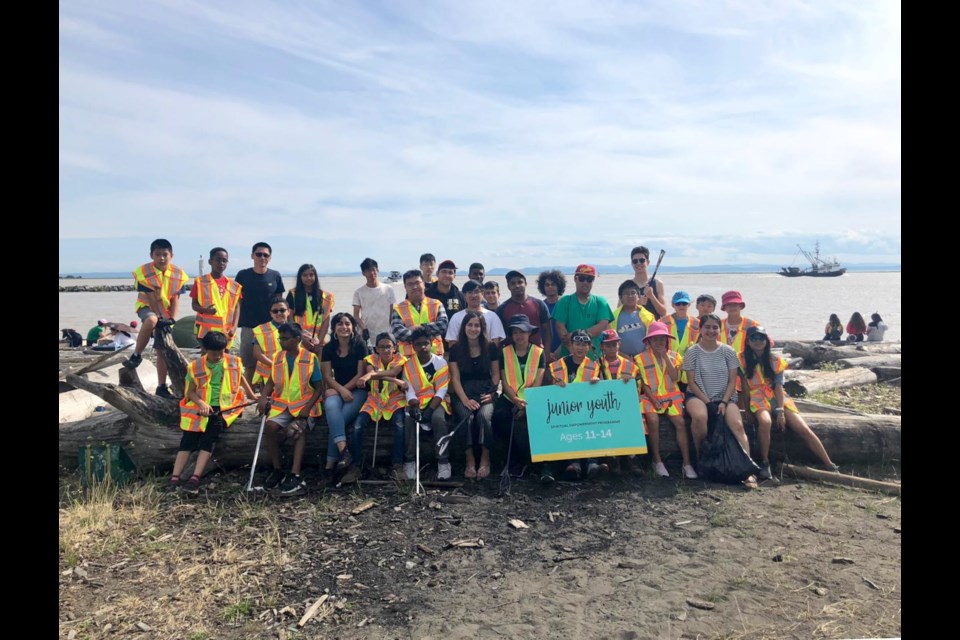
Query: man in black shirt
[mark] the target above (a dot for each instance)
(445, 291)
(260, 286)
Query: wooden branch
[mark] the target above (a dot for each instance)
(96, 365)
(802, 383)
(806, 473)
(870, 362)
(176, 363)
(141, 407)
(815, 352)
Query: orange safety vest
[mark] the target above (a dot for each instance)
(624, 365)
(410, 317)
(168, 283)
(231, 393)
(588, 370)
(384, 398)
(311, 320)
(516, 377)
(691, 333)
(423, 386)
(208, 295)
(268, 339)
(292, 390)
(761, 390)
(664, 387)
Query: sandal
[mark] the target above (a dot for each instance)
(483, 472)
(750, 483)
(470, 473)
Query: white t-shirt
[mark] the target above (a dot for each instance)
(494, 325)
(375, 304)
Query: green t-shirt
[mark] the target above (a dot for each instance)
(94, 334)
(216, 381)
(578, 315)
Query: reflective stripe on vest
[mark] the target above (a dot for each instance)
(516, 376)
(738, 340)
(411, 317)
(624, 365)
(663, 386)
(384, 398)
(231, 393)
(587, 370)
(761, 392)
(423, 386)
(268, 339)
(691, 333)
(292, 390)
(208, 295)
(167, 283)
(311, 320)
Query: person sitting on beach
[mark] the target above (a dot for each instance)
(159, 285)
(660, 395)
(856, 328)
(120, 336)
(706, 304)
(373, 301)
(292, 392)
(215, 391)
(764, 380)
(522, 365)
(475, 376)
(520, 303)
(571, 369)
(428, 380)
(492, 327)
(834, 328)
(614, 366)
(266, 340)
(95, 333)
(713, 371)
(582, 310)
(311, 307)
(684, 329)
(631, 318)
(385, 401)
(215, 299)
(342, 365)
(71, 337)
(417, 310)
(876, 328)
(733, 330)
(491, 295)
(651, 288)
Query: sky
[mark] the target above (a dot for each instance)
(513, 133)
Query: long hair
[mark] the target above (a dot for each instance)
(875, 319)
(461, 350)
(856, 321)
(834, 319)
(751, 359)
(357, 345)
(300, 292)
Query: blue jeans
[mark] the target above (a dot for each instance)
(339, 413)
(356, 442)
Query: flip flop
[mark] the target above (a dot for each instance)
(750, 483)
(470, 473)
(483, 472)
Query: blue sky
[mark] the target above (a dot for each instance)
(513, 133)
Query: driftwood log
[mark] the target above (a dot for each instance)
(886, 373)
(871, 362)
(816, 352)
(802, 383)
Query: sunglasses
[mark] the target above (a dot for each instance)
(682, 304)
(278, 310)
(262, 254)
(585, 339)
(639, 260)
(585, 278)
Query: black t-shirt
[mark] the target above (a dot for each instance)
(259, 290)
(474, 377)
(344, 369)
(572, 368)
(452, 300)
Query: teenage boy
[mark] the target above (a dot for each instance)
(215, 390)
(428, 379)
(472, 291)
(444, 290)
(582, 310)
(476, 272)
(417, 311)
(260, 286)
(682, 328)
(640, 259)
(216, 299)
(372, 302)
(519, 303)
(292, 392)
(266, 340)
(427, 265)
(491, 295)
(159, 285)
(631, 319)
(706, 304)
(733, 328)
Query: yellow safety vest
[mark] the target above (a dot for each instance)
(231, 393)
(588, 370)
(761, 390)
(410, 317)
(168, 283)
(515, 376)
(384, 398)
(311, 320)
(268, 339)
(208, 295)
(423, 386)
(292, 390)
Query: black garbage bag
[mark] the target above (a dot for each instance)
(722, 459)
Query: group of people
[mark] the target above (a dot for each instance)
(449, 360)
(857, 328)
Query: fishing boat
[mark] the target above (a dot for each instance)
(819, 267)
(394, 276)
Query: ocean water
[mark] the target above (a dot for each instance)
(789, 308)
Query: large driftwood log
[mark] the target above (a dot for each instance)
(870, 362)
(886, 373)
(802, 383)
(816, 352)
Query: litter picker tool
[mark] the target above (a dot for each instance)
(443, 443)
(256, 452)
(505, 474)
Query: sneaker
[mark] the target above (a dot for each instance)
(689, 472)
(410, 470)
(597, 469)
(292, 485)
(133, 361)
(164, 392)
(398, 473)
(764, 473)
(192, 486)
(546, 476)
(172, 486)
(833, 468)
(345, 460)
(273, 479)
(444, 471)
(352, 475)
(661, 470)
